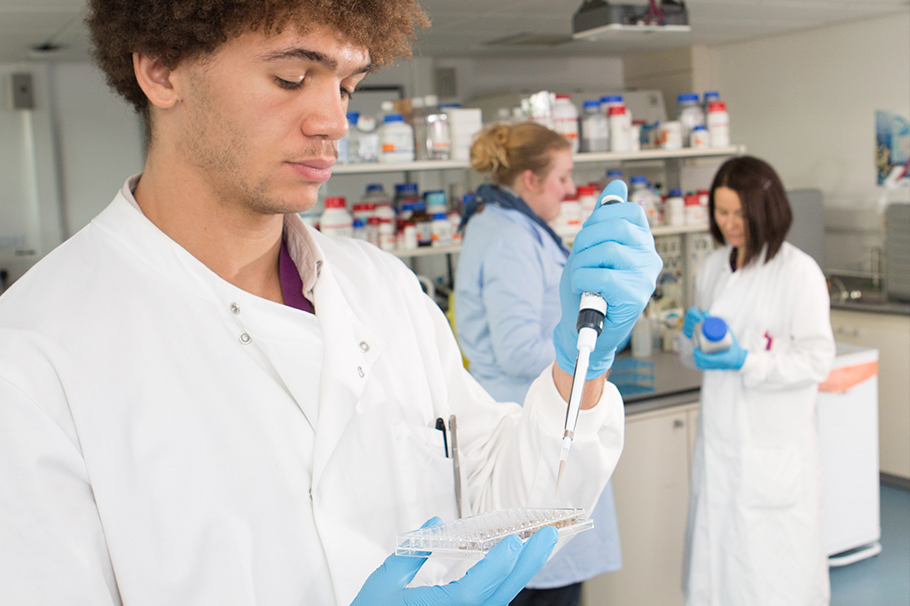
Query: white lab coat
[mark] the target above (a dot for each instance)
(754, 535)
(166, 438)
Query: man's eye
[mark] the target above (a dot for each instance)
(288, 84)
(347, 94)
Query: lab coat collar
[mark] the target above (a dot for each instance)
(351, 347)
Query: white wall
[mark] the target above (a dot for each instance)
(30, 215)
(557, 74)
(62, 162)
(99, 138)
(806, 103)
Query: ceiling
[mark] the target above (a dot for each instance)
(464, 28)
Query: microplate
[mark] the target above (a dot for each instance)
(476, 535)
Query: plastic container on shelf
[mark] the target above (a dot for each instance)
(619, 129)
(396, 139)
(565, 117)
(335, 219)
(671, 135)
(642, 339)
(710, 96)
(719, 124)
(359, 229)
(595, 129)
(367, 139)
(635, 138)
(423, 222)
(675, 209)
(696, 214)
(431, 131)
(691, 114)
(386, 231)
(611, 175)
(642, 195)
(587, 200)
(454, 222)
(568, 222)
(699, 137)
(712, 335)
(442, 229)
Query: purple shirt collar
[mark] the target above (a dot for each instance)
(291, 284)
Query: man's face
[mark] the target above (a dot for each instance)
(261, 117)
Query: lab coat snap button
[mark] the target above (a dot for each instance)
(245, 338)
(235, 309)
(364, 346)
(360, 371)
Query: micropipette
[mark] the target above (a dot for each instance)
(590, 323)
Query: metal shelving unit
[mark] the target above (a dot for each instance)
(582, 158)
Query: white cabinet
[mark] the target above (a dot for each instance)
(651, 488)
(890, 334)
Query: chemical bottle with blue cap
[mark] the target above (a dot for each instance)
(712, 336)
(642, 195)
(595, 131)
(396, 139)
(691, 114)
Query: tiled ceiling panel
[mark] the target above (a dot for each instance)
(465, 27)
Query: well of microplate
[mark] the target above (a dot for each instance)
(474, 536)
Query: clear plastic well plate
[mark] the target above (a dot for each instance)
(476, 535)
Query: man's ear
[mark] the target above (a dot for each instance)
(155, 80)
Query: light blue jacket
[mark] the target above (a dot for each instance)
(506, 308)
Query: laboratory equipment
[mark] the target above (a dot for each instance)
(712, 336)
(476, 535)
(590, 323)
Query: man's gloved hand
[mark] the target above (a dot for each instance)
(731, 359)
(612, 255)
(693, 317)
(494, 580)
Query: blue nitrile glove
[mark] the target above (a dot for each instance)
(731, 359)
(612, 255)
(494, 580)
(693, 317)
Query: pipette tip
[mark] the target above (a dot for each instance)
(562, 466)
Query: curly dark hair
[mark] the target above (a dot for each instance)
(176, 30)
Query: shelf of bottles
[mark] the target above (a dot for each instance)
(582, 158)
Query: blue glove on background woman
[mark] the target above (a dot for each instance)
(612, 255)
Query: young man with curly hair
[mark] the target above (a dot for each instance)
(203, 401)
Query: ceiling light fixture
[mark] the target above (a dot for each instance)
(597, 18)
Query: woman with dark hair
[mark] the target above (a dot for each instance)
(754, 534)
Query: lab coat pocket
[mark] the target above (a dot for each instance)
(771, 477)
(426, 470)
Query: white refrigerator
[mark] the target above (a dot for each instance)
(848, 436)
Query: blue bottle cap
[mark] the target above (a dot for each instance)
(353, 117)
(638, 179)
(714, 329)
(357, 223)
(611, 99)
(687, 97)
(374, 187)
(393, 118)
(699, 127)
(406, 187)
(440, 217)
(614, 173)
(675, 193)
(711, 94)
(591, 103)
